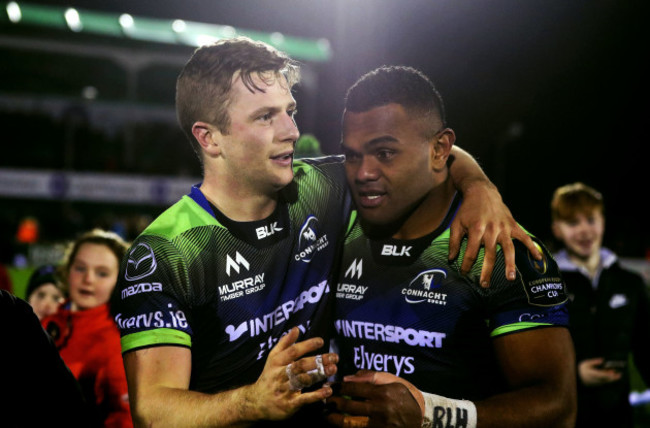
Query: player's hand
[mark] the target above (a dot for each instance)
(486, 221)
(591, 373)
(275, 395)
(375, 399)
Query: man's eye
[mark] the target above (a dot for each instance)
(385, 154)
(268, 116)
(351, 156)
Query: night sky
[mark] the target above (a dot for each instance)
(542, 93)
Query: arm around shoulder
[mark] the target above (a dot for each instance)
(484, 218)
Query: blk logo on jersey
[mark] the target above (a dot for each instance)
(422, 288)
(396, 250)
(141, 263)
(269, 230)
(235, 263)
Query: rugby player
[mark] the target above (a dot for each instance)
(429, 345)
(215, 294)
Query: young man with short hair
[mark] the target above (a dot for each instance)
(430, 346)
(608, 307)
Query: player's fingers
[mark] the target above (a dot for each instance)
(471, 252)
(322, 361)
(285, 342)
(356, 389)
(368, 376)
(308, 371)
(298, 349)
(455, 237)
(508, 249)
(351, 406)
(520, 235)
(489, 256)
(488, 266)
(313, 396)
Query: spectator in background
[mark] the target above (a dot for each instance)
(609, 309)
(84, 331)
(36, 387)
(44, 291)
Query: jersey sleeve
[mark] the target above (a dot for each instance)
(536, 298)
(152, 297)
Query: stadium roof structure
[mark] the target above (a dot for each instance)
(174, 32)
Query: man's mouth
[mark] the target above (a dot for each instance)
(371, 199)
(283, 159)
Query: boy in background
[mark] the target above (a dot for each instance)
(608, 309)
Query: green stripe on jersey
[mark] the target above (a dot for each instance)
(510, 328)
(162, 336)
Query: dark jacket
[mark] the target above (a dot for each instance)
(609, 318)
(36, 388)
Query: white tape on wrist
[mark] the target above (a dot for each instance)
(447, 412)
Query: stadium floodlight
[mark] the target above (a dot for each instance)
(13, 12)
(73, 20)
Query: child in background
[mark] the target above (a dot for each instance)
(84, 331)
(609, 310)
(44, 291)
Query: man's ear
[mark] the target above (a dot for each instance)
(208, 137)
(441, 148)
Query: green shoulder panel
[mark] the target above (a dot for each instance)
(180, 217)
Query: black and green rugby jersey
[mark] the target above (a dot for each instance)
(230, 290)
(403, 308)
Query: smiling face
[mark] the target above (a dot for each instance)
(389, 163)
(92, 275)
(46, 299)
(256, 154)
(581, 234)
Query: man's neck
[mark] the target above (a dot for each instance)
(236, 201)
(429, 213)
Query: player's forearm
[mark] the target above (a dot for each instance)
(534, 406)
(465, 171)
(170, 407)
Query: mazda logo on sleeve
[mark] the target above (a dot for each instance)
(141, 263)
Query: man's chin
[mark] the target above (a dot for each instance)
(377, 226)
(282, 181)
